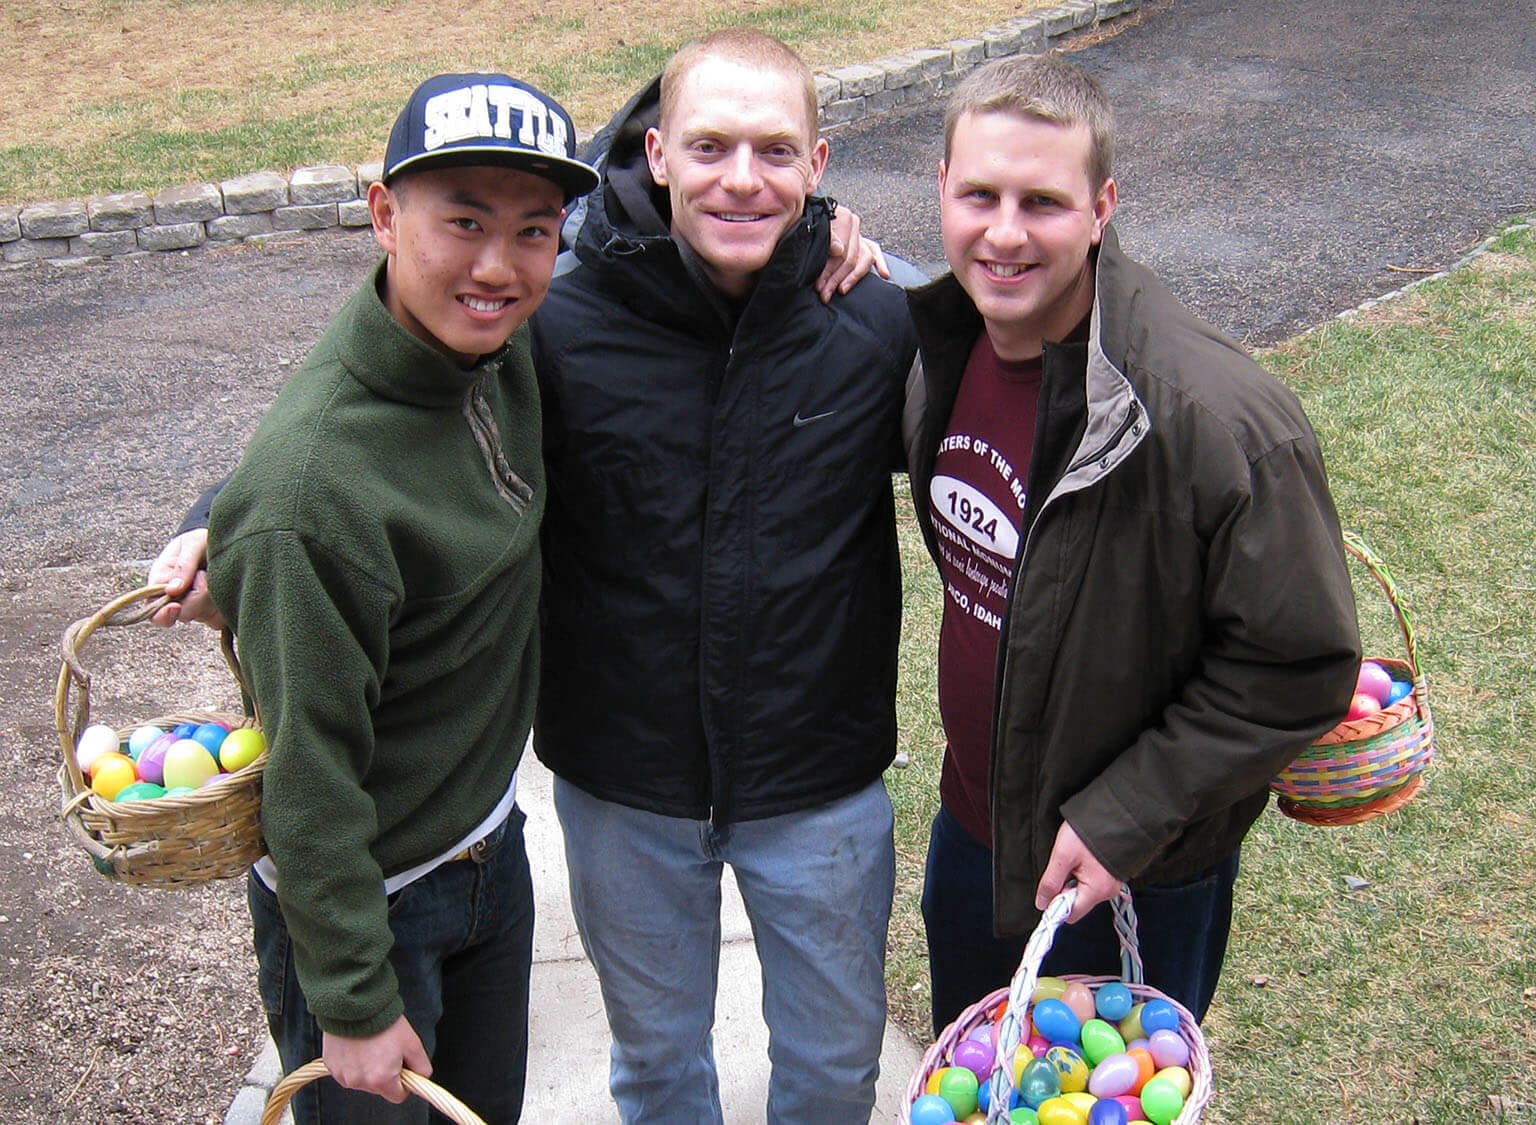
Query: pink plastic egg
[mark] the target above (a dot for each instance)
(1375, 681)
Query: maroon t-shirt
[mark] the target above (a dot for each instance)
(976, 502)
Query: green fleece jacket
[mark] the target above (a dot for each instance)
(377, 553)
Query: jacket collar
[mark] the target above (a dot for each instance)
(381, 354)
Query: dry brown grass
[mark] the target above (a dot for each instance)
(79, 77)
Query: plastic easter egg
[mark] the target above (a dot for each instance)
(95, 740)
(1056, 1022)
(1179, 1077)
(1100, 1040)
(1113, 1076)
(1082, 1099)
(957, 1086)
(975, 1056)
(1037, 1044)
(1037, 1083)
(140, 791)
(240, 748)
(1023, 1115)
(932, 1085)
(1059, 1111)
(982, 1032)
(984, 1095)
(184, 730)
(1048, 988)
(179, 791)
(210, 735)
(151, 760)
(188, 763)
(1070, 1068)
(142, 737)
(1401, 689)
(930, 1109)
(1130, 1027)
(1107, 1111)
(1168, 1048)
(1361, 705)
(1161, 1100)
(977, 1118)
(1132, 1106)
(1159, 1015)
(1079, 998)
(1375, 681)
(1113, 1002)
(113, 774)
(1146, 1066)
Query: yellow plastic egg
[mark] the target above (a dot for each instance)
(112, 774)
(240, 748)
(188, 762)
(1059, 1111)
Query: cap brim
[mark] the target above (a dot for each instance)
(571, 176)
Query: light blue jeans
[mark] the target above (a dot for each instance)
(817, 886)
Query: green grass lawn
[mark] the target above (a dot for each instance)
(1412, 998)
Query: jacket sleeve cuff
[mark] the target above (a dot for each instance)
(362, 1029)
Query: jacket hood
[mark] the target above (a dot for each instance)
(626, 199)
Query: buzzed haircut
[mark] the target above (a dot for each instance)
(1046, 87)
(744, 45)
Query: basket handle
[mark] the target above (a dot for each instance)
(1358, 547)
(74, 677)
(424, 1088)
(1011, 1027)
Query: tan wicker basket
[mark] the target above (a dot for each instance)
(171, 841)
(424, 1088)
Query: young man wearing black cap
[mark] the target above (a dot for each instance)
(377, 551)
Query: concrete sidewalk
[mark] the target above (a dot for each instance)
(568, 1037)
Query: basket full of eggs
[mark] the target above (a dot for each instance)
(1069, 1050)
(1373, 761)
(168, 801)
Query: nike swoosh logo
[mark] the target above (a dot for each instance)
(799, 421)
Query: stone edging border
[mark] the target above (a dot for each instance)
(263, 205)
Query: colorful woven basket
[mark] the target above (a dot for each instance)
(1006, 1008)
(1365, 767)
(171, 841)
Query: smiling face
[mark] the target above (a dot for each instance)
(471, 252)
(738, 154)
(1020, 216)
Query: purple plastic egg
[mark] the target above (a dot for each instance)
(151, 763)
(975, 1056)
(1113, 1076)
(1167, 1048)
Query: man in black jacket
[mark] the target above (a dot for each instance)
(722, 596)
(1147, 612)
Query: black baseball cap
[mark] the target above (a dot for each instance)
(462, 119)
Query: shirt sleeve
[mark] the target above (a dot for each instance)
(1277, 670)
(313, 632)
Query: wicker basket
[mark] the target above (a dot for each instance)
(1365, 767)
(170, 841)
(1004, 1006)
(424, 1088)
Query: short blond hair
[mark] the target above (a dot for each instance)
(748, 47)
(1048, 88)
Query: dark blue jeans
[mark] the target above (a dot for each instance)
(1182, 930)
(462, 953)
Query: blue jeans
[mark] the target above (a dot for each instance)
(1182, 930)
(817, 886)
(463, 950)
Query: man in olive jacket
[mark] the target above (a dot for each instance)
(1147, 611)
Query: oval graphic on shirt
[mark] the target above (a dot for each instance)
(969, 512)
